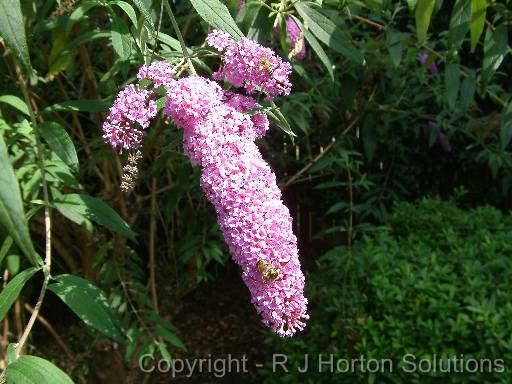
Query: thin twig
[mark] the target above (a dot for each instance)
(309, 165)
(351, 208)
(47, 217)
(318, 157)
(5, 334)
(367, 21)
(180, 37)
(152, 229)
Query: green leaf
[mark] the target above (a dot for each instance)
(128, 9)
(6, 246)
(423, 13)
(217, 15)
(452, 82)
(369, 136)
(328, 33)
(278, 118)
(11, 353)
(478, 11)
(11, 207)
(16, 102)
(82, 39)
(35, 370)
(467, 91)
(75, 206)
(412, 4)
(79, 13)
(506, 125)
(459, 22)
(12, 29)
(143, 9)
(13, 264)
(89, 303)
(12, 290)
(495, 49)
(78, 106)
(317, 48)
(121, 38)
(60, 142)
(170, 337)
(394, 45)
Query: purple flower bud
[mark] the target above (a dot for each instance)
(443, 140)
(298, 46)
(422, 57)
(432, 68)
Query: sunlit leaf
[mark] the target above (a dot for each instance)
(478, 12)
(495, 49)
(16, 102)
(75, 206)
(12, 290)
(35, 370)
(217, 15)
(328, 32)
(423, 14)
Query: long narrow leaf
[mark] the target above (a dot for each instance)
(217, 15)
(11, 208)
(12, 29)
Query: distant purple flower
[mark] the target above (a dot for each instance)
(432, 68)
(445, 144)
(441, 137)
(422, 57)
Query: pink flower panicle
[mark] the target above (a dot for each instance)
(249, 65)
(296, 39)
(129, 117)
(239, 183)
(190, 99)
(220, 40)
(159, 72)
(243, 103)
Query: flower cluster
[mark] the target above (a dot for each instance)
(247, 104)
(134, 108)
(129, 117)
(220, 129)
(159, 72)
(239, 183)
(249, 65)
(432, 68)
(297, 40)
(440, 136)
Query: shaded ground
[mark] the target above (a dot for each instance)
(216, 321)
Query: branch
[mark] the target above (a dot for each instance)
(180, 38)
(47, 217)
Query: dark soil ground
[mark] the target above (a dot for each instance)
(216, 320)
